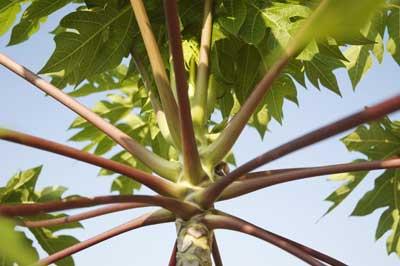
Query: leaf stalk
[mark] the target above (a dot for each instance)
(157, 65)
(158, 164)
(191, 161)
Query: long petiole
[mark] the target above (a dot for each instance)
(156, 163)
(199, 109)
(181, 209)
(233, 223)
(375, 112)
(155, 103)
(82, 216)
(158, 184)
(216, 254)
(191, 161)
(157, 217)
(157, 65)
(172, 259)
(215, 152)
(250, 185)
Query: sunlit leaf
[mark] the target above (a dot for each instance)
(15, 247)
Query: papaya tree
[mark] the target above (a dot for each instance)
(183, 80)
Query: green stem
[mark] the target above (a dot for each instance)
(199, 109)
(155, 103)
(217, 150)
(225, 141)
(157, 65)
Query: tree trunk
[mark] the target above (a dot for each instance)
(194, 243)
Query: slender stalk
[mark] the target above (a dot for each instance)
(82, 216)
(157, 217)
(181, 209)
(236, 224)
(268, 173)
(172, 259)
(153, 161)
(369, 114)
(155, 103)
(191, 161)
(199, 109)
(315, 253)
(215, 253)
(215, 152)
(157, 65)
(243, 187)
(155, 183)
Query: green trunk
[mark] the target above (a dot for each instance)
(194, 243)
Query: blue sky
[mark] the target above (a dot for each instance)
(292, 210)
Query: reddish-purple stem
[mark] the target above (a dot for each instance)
(184, 210)
(304, 253)
(191, 159)
(158, 184)
(83, 216)
(377, 111)
(144, 220)
(250, 185)
(172, 259)
(215, 252)
(152, 160)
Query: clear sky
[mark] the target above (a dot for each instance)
(292, 210)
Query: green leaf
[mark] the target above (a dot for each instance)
(385, 194)
(124, 185)
(283, 88)
(53, 243)
(224, 54)
(36, 13)
(106, 81)
(360, 63)
(253, 28)
(9, 9)
(21, 187)
(295, 70)
(377, 141)
(342, 19)
(384, 224)
(279, 18)
(360, 57)
(393, 24)
(51, 193)
(233, 15)
(98, 42)
(351, 181)
(15, 247)
(260, 120)
(246, 72)
(332, 51)
(320, 70)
